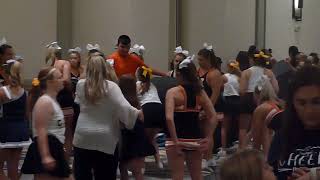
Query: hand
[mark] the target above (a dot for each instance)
(301, 174)
(49, 163)
(141, 116)
(204, 144)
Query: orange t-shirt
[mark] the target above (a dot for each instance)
(126, 65)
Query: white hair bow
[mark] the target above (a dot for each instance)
(17, 57)
(93, 47)
(10, 61)
(3, 41)
(180, 50)
(138, 49)
(54, 45)
(186, 61)
(207, 46)
(77, 49)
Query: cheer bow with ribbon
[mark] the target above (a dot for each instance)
(146, 71)
(54, 45)
(261, 55)
(179, 50)
(185, 62)
(77, 49)
(3, 41)
(93, 47)
(138, 49)
(207, 46)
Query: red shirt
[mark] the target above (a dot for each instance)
(126, 65)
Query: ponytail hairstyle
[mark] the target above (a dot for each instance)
(209, 54)
(188, 75)
(52, 55)
(14, 72)
(127, 84)
(144, 75)
(233, 68)
(39, 84)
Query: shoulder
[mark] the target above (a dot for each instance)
(44, 101)
(263, 109)
(173, 91)
(81, 82)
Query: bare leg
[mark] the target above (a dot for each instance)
(224, 131)
(123, 171)
(136, 165)
(193, 159)
(244, 123)
(151, 133)
(176, 163)
(3, 155)
(13, 163)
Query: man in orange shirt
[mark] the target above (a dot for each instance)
(125, 63)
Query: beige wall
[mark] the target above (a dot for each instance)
(229, 25)
(147, 22)
(29, 26)
(280, 28)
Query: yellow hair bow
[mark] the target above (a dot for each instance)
(261, 55)
(35, 82)
(234, 64)
(146, 71)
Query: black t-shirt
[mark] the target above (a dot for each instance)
(306, 154)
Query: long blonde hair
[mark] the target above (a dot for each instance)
(247, 164)
(15, 74)
(96, 75)
(52, 54)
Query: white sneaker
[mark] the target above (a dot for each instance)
(160, 165)
(212, 163)
(222, 153)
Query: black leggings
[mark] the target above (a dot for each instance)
(91, 163)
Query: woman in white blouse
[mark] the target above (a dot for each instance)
(103, 109)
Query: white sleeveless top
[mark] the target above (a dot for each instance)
(151, 96)
(56, 126)
(256, 73)
(232, 87)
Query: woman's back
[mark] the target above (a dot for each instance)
(98, 124)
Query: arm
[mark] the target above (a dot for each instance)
(215, 82)
(159, 73)
(169, 109)
(211, 120)
(3, 97)
(66, 72)
(42, 115)
(224, 79)
(244, 80)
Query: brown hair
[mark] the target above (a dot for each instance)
(127, 84)
(37, 90)
(189, 76)
(52, 55)
(211, 56)
(244, 165)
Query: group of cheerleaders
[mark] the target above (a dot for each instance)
(192, 110)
